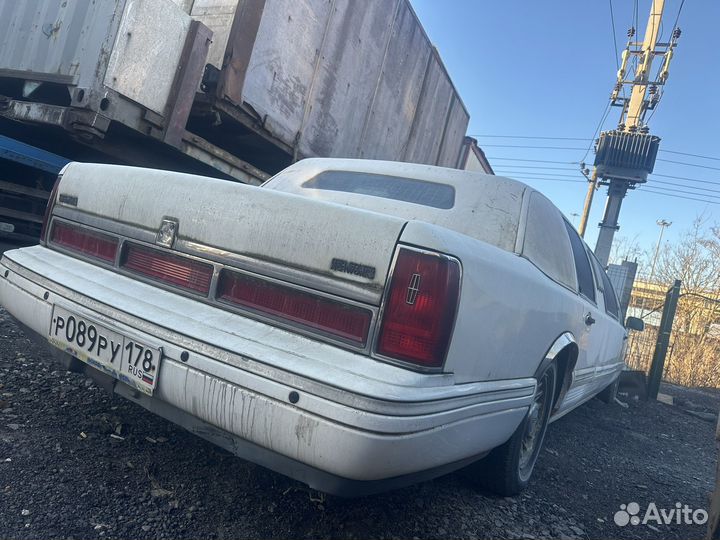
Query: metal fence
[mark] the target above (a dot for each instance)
(693, 355)
(640, 348)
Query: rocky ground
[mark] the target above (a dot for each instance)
(76, 462)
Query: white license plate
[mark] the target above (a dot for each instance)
(123, 357)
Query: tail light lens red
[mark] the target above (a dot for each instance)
(175, 270)
(48, 211)
(84, 241)
(316, 312)
(420, 308)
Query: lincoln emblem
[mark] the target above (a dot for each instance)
(412, 290)
(167, 232)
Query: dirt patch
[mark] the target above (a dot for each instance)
(76, 462)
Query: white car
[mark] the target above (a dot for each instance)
(356, 325)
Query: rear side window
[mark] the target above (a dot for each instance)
(546, 242)
(388, 187)
(597, 269)
(586, 285)
(611, 303)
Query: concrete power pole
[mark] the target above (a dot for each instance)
(625, 156)
(635, 112)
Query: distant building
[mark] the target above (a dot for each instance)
(647, 301)
(622, 277)
(696, 314)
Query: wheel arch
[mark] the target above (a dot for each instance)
(564, 352)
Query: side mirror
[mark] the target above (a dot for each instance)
(633, 323)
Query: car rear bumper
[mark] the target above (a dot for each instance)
(357, 426)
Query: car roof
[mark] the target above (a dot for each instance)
(487, 207)
(431, 173)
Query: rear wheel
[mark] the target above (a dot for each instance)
(508, 468)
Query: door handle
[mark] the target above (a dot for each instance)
(589, 320)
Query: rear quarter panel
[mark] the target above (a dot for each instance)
(509, 314)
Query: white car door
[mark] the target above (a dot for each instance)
(612, 360)
(593, 333)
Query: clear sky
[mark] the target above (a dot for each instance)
(546, 69)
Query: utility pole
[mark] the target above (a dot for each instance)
(625, 156)
(592, 186)
(638, 105)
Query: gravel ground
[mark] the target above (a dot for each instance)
(76, 462)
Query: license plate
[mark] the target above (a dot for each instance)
(123, 357)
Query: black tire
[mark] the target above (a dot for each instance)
(507, 469)
(610, 392)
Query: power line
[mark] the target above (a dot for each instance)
(677, 17)
(566, 168)
(511, 169)
(534, 160)
(543, 173)
(636, 23)
(686, 178)
(714, 158)
(562, 179)
(574, 148)
(552, 161)
(655, 181)
(542, 179)
(691, 155)
(685, 192)
(676, 193)
(689, 164)
(612, 22)
(531, 137)
(635, 14)
(679, 196)
(531, 146)
(597, 130)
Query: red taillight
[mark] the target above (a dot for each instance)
(48, 210)
(348, 322)
(82, 240)
(172, 269)
(420, 308)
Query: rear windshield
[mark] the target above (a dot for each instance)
(388, 187)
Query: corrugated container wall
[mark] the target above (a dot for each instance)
(91, 46)
(333, 78)
(337, 78)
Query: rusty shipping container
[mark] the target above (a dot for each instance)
(232, 88)
(337, 77)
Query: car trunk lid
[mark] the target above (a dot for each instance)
(325, 246)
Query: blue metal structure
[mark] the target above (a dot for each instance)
(32, 156)
(27, 174)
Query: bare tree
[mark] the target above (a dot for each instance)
(627, 248)
(694, 259)
(695, 348)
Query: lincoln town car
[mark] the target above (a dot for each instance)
(356, 325)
